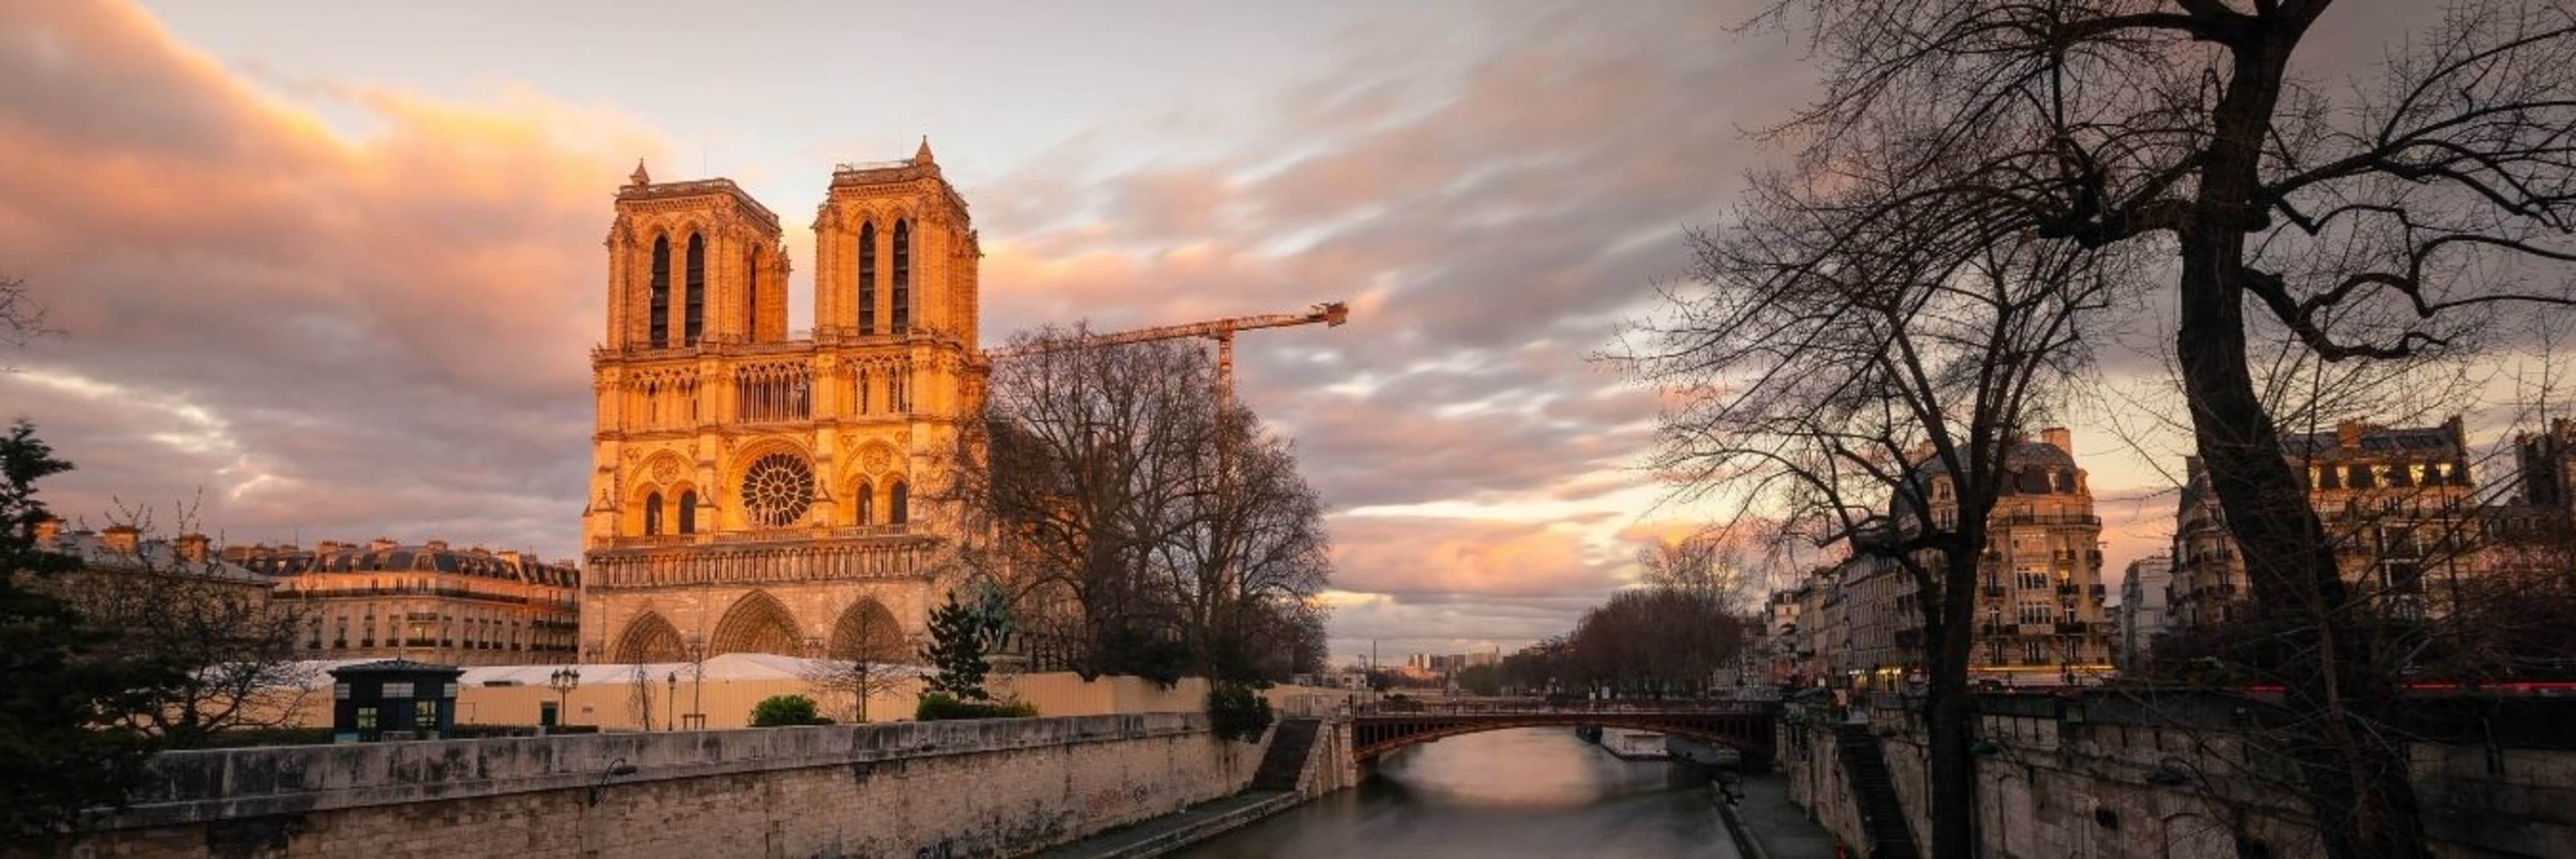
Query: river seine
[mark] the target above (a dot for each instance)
(1528, 792)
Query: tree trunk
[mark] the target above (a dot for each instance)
(2355, 783)
(1949, 717)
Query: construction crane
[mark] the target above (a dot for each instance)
(1222, 331)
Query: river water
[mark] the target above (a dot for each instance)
(1527, 792)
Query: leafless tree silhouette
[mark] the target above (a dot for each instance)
(2387, 221)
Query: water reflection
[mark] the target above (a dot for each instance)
(1530, 792)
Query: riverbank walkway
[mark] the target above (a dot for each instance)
(1778, 828)
(1172, 832)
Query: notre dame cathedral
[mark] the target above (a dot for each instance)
(759, 492)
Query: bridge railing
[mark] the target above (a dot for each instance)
(1530, 706)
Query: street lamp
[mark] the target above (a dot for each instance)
(564, 680)
(671, 704)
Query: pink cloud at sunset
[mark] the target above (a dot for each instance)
(341, 270)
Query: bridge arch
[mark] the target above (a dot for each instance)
(1747, 729)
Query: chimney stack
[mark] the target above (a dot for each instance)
(48, 530)
(192, 548)
(327, 547)
(381, 544)
(2058, 437)
(122, 539)
(433, 545)
(2348, 434)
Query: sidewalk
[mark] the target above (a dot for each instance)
(1778, 827)
(1174, 831)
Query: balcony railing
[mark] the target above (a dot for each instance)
(841, 532)
(2045, 519)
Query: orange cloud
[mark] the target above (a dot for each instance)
(388, 327)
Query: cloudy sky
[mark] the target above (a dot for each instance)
(335, 268)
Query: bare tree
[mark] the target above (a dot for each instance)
(867, 659)
(171, 601)
(1654, 642)
(1140, 525)
(1707, 562)
(2382, 222)
(1848, 378)
(639, 696)
(22, 320)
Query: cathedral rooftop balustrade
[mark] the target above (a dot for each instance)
(773, 535)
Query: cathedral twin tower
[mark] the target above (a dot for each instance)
(757, 492)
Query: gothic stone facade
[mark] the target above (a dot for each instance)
(757, 492)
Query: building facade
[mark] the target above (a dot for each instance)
(426, 602)
(2039, 615)
(2398, 503)
(2142, 614)
(754, 491)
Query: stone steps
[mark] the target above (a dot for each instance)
(1874, 790)
(1286, 757)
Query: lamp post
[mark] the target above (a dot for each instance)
(671, 704)
(697, 683)
(564, 680)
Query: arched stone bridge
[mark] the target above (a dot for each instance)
(1386, 726)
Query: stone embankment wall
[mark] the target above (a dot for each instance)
(2129, 780)
(978, 788)
(606, 698)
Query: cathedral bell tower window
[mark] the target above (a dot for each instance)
(902, 277)
(653, 514)
(867, 278)
(696, 311)
(659, 309)
(688, 512)
(750, 295)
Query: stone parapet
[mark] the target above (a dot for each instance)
(984, 787)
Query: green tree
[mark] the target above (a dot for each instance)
(61, 747)
(1236, 711)
(1481, 679)
(779, 711)
(961, 634)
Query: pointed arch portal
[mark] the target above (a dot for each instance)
(649, 638)
(757, 623)
(868, 631)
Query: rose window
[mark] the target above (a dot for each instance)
(777, 489)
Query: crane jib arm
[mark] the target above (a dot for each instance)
(1330, 314)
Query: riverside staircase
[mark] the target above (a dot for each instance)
(1874, 792)
(1286, 758)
